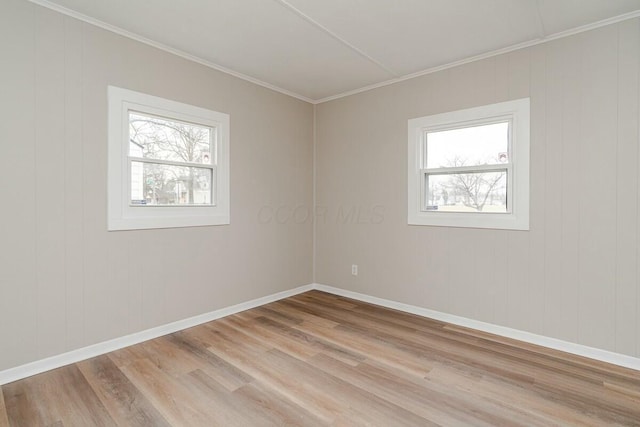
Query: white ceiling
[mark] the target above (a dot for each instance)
(321, 49)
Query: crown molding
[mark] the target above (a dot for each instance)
(573, 31)
(546, 39)
(122, 32)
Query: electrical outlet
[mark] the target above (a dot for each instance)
(354, 269)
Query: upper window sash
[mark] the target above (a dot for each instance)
(433, 129)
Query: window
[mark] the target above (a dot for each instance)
(168, 163)
(470, 168)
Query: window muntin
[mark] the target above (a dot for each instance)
(168, 163)
(470, 168)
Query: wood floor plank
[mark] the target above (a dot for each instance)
(515, 368)
(274, 339)
(632, 392)
(169, 396)
(296, 342)
(282, 307)
(168, 357)
(316, 297)
(62, 395)
(257, 405)
(270, 370)
(128, 355)
(544, 374)
(126, 404)
(438, 335)
(373, 349)
(506, 393)
(317, 359)
(269, 404)
(433, 403)
(20, 400)
(287, 318)
(322, 395)
(434, 346)
(553, 360)
(326, 386)
(176, 355)
(4, 420)
(436, 349)
(609, 407)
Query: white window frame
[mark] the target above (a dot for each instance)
(517, 113)
(122, 214)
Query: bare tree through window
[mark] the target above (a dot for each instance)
(475, 190)
(168, 148)
(464, 177)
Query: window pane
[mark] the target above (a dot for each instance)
(477, 145)
(153, 184)
(162, 139)
(467, 192)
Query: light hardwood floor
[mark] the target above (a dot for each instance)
(316, 360)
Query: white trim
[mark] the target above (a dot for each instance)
(161, 46)
(190, 57)
(516, 112)
(74, 356)
(57, 361)
(121, 215)
(528, 337)
(314, 200)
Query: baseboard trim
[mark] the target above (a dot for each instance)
(60, 360)
(74, 356)
(553, 343)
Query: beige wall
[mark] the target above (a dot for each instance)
(65, 282)
(574, 275)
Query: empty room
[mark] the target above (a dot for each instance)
(320, 213)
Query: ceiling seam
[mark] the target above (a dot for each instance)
(313, 22)
(546, 39)
(399, 78)
(542, 31)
